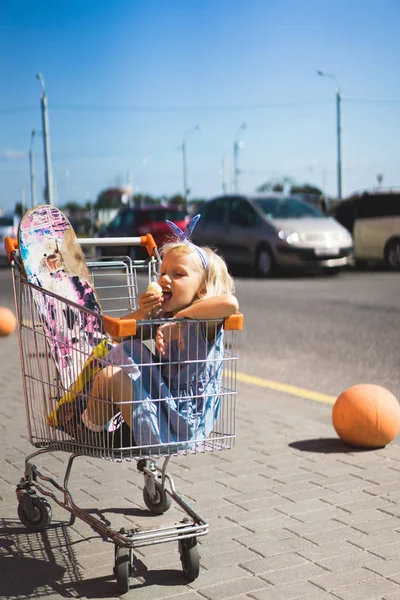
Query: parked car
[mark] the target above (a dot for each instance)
(8, 227)
(373, 218)
(273, 231)
(139, 220)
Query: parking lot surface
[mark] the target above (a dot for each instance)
(293, 513)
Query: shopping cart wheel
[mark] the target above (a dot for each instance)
(34, 512)
(160, 503)
(122, 568)
(190, 558)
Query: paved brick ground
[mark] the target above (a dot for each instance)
(293, 513)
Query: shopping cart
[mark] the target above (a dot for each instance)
(207, 425)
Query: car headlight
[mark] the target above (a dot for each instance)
(291, 237)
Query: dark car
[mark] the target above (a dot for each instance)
(8, 227)
(140, 220)
(373, 218)
(275, 230)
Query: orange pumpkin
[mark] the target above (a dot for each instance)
(8, 322)
(367, 416)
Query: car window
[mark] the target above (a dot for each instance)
(6, 222)
(287, 208)
(381, 205)
(268, 206)
(115, 223)
(214, 212)
(242, 214)
(128, 218)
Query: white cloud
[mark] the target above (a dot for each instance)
(13, 154)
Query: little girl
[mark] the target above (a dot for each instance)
(175, 395)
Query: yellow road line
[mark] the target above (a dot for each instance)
(286, 388)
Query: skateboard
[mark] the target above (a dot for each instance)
(52, 259)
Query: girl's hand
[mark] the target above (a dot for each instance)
(148, 301)
(166, 333)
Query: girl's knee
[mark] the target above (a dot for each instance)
(103, 383)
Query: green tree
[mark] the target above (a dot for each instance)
(305, 188)
(72, 207)
(110, 198)
(19, 209)
(197, 201)
(177, 200)
(275, 185)
(144, 200)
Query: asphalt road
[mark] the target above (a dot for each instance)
(323, 333)
(315, 332)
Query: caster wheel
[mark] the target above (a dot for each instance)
(141, 464)
(34, 512)
(161, 503)
(122, 569)
(190, 558)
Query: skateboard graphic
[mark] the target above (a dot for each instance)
(53, 260)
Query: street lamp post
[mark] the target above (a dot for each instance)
(225, 176)
(236, 146)
(32, 170)
(46, 144)
(186, 190)
(338, 131)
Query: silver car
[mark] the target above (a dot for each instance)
(264, 232)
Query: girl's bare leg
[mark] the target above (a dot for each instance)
(115, 388)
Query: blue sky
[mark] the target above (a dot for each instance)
(126, 78)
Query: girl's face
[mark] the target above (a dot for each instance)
(181, 280)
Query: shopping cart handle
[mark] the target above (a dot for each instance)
(11, 246)
(234, 322)
(119, 327)
(149, 243)
(143, 240)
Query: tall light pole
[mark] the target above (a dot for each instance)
(225, 176)
(236, 146)
(46, 144)
(32, 170)
(338, 130)
(186, 190)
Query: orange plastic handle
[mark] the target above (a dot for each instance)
(234, 322)
(149, 243)
(11, 246)
(119, 327)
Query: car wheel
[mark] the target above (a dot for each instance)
(392, 254)
(264, 262)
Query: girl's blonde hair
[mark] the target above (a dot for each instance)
(216, 277)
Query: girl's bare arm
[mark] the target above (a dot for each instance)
(218, 307)
(147, 301)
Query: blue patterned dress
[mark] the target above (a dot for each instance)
(177, 396)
